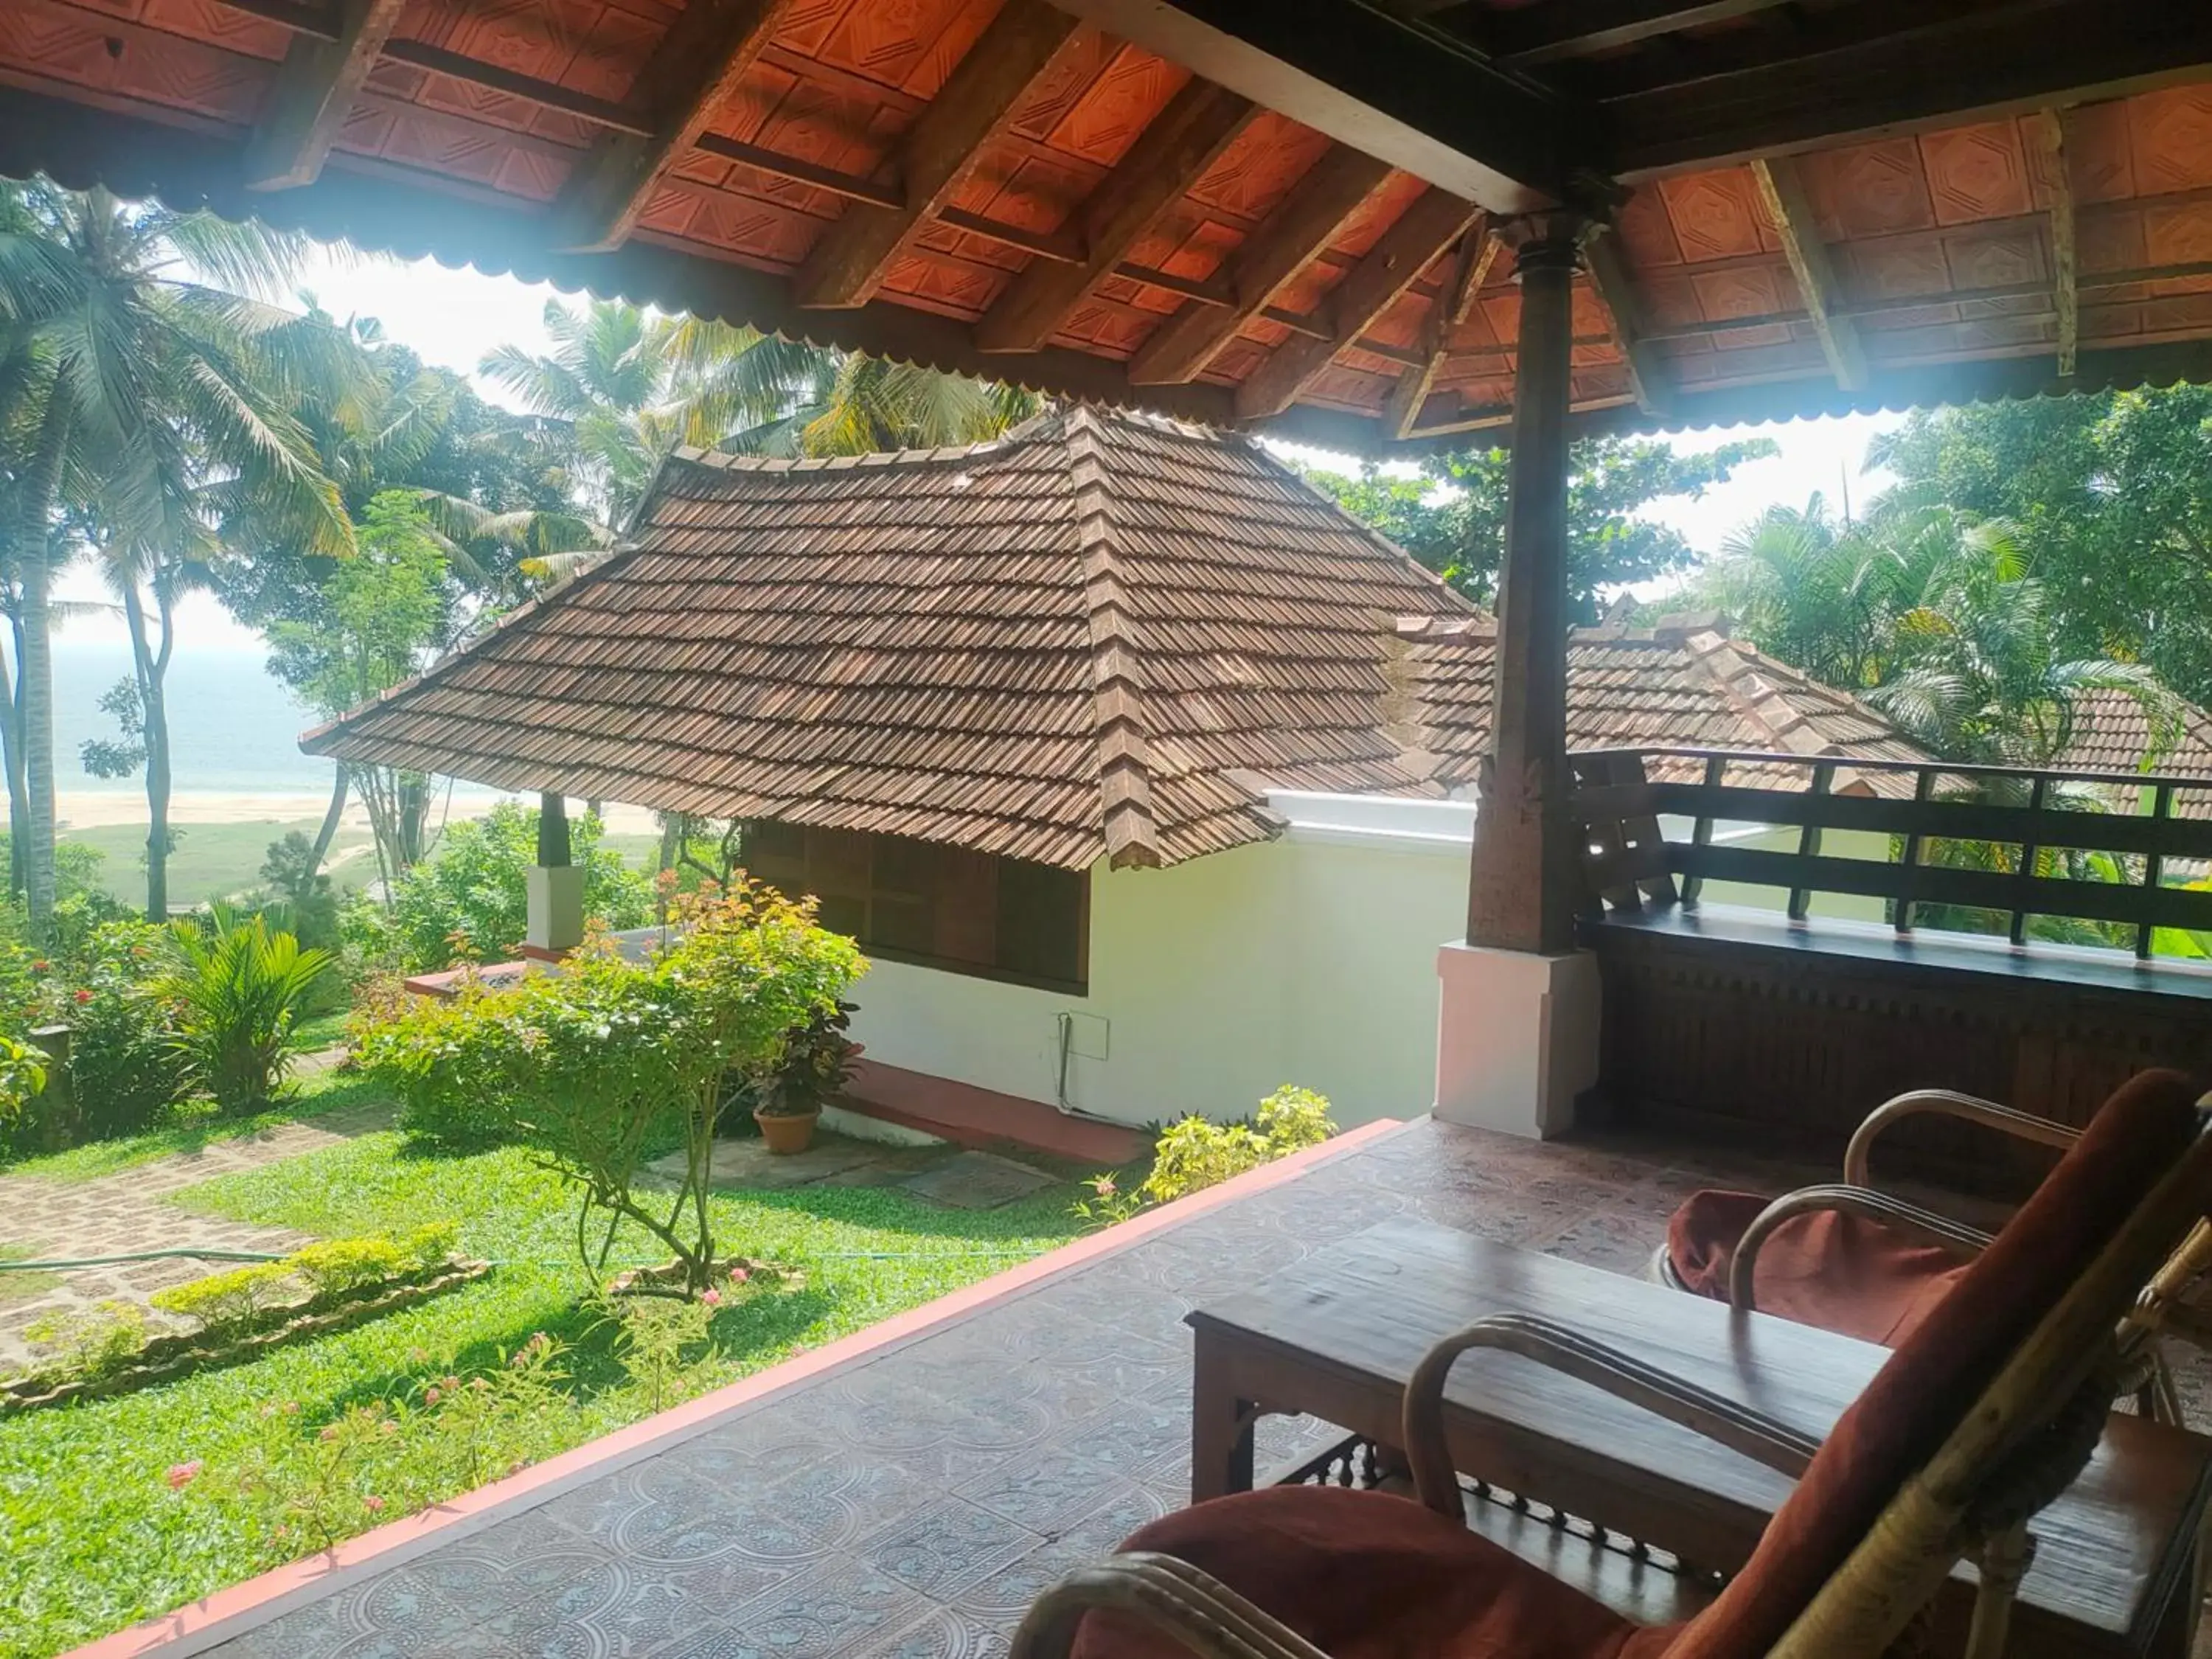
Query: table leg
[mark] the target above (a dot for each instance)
(1220, 1430)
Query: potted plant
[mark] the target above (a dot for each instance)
(816, 1063)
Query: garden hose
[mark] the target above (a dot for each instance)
(497, 1262)
(137, 1255)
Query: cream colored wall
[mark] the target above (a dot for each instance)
(1294, 962)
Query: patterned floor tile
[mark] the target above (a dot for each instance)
(946, 1545)
(913, 1507)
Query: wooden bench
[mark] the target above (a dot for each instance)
(2114, 1566)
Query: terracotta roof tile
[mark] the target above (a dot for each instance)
(1100, 635)
(1053, 645)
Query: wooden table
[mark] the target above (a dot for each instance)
(2115, 1563)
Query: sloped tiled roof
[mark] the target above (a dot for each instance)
(1681, 683)
(1103, 635)
(2113, 732)
(1096, 635)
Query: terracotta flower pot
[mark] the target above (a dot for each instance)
(787, 1132)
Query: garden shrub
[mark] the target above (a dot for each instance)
(22, 1080)
(122, 1074)
(470, 903)
(1195, 1153)
(444, 1060)
(237, 988)
(345, 1264)
(224, 1301)
(600, 1065)
(431, 1244)
(93, 1342)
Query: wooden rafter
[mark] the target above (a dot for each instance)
(1169, 156)
(1783, 190)
(311, 94)
(2047, 131)
(1478, 251)
(1648, 376)
(1525, 37)
(1434, 221)
(1383, 84)
(706, 53)
(1280, 247)
(1937, 66)
(941, 151)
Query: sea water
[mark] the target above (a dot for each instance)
(233, 728)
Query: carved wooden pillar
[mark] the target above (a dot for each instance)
(1521, 889)
(553, 831)
(554, 887)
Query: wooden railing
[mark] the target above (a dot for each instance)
(1629, 864)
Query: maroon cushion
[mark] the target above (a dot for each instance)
(1363, 1575)
(1841, 1273)
(1917, 1398)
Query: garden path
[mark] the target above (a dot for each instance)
(42, 1219)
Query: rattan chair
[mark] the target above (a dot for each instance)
(1972, 1424)
(1850, 1258)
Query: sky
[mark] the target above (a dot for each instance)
(450, 317)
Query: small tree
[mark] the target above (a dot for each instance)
(237, 988)
(598, 1066)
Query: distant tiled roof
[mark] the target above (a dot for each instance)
(1100, 634)
(1681, 683)
(2113, 732)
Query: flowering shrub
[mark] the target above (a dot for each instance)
(446, 1060)
(1195, 1153)
(599, 1065)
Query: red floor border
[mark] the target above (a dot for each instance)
(241, 1607)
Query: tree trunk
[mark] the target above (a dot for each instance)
(152, 668)
(11, 748)
(38, 486)
(672, 839)
(331, 817)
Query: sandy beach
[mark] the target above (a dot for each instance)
(90, 809)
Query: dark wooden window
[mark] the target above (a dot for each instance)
(943, 906)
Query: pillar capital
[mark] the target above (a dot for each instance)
(1550, 241)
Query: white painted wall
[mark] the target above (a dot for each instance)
(1311, 959)
(1308, 960)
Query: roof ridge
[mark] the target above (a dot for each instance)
(1125, 768)
(721, 460)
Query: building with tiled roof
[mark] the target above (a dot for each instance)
(1138, 768)
(1682, 683)
(2113, 731)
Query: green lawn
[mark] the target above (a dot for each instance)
(213, 860)
(193, 1129)
(95, 1537)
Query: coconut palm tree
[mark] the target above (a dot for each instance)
(157, 378)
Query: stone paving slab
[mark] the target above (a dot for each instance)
(127, 1211)
(976, 1180)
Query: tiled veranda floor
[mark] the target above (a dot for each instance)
(914, 1503)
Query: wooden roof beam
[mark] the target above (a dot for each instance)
(1169, 156)
(941, 151)
(1391, 86)
(312, 94)
(2046, 131)
(1783, 190)
(1648, 376)
(1478, 251)
(1280, 248)
(706, 52)
(1529, 37)
(1426, 228)
(1947, 69)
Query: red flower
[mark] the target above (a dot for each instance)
(42, 966)
(82, 997)
(181, 1475)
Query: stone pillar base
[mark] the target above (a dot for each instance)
(556, 914)
(1516, 1038)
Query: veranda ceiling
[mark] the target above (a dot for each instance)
(1829, 204)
